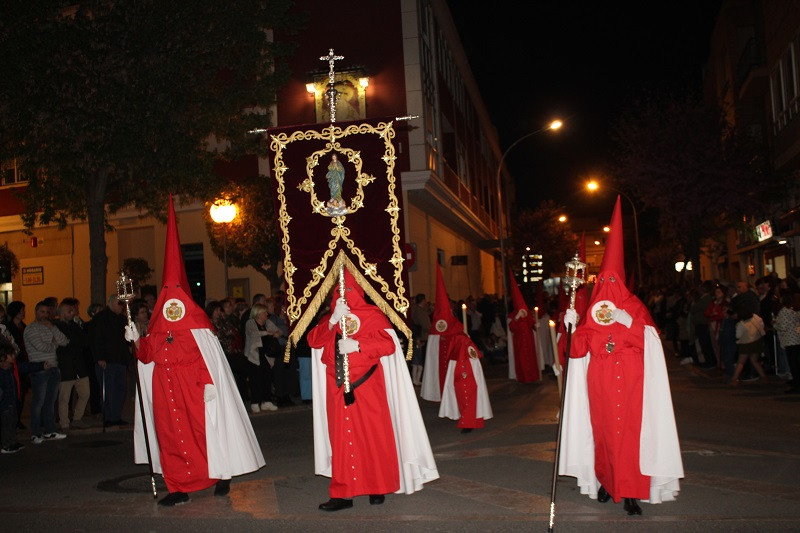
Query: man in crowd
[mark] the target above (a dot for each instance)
(42, 338)
(111, 355)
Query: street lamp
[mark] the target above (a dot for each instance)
(223, 212)
(593, 186)
(555, 125)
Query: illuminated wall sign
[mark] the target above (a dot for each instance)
(33, 275)
(764, 231)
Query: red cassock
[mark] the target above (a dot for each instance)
(363, 449)
(179, 377)
(445, 350)
(615, 378)
(464, 382)
(525, 363)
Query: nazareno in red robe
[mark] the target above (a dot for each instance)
(179, 377)
(464, 383)
(363, 450)
(525, 362)
(615, 386)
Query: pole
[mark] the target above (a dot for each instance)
(500, 228)
(573, 281)
(125, 294)
(225, 254)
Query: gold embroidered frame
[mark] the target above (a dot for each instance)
(304, 302)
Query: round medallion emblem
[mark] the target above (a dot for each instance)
(473, 353)
(351, 324)
(441, 326)
(602, 312)
(174, 310)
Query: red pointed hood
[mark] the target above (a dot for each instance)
(175, 310)
(516, 295)
(610, 291)
(443, 321)
(614, 256)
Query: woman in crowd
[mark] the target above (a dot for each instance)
(750, 338)
(15, 324)
(715, 313)
(260, 345)
(786, 324)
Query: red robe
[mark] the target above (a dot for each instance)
(525, 361)
(363, 449)
(464, 383)
(615, 386)
(179, 377)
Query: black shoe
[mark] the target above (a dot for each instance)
(336, 504)
(631, 505)
(174, 498)
(376, 499)
(223, 487)
(466, 430)
(602, 495)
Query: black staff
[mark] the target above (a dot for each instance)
(573, 281)
(125, 294)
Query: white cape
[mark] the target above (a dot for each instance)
(231, 444)
(449, 406)
(430, 375)
(659, 449)
(414, 454)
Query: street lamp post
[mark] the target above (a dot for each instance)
(554, 125)
(223, 212)
(593, 186)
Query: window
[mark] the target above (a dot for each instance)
(10, 173)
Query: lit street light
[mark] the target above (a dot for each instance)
(593, 186)
(553, 126)
(223, 212)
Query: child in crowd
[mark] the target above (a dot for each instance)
(9, 395)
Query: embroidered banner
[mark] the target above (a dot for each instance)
(338, 202)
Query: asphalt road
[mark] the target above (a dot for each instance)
(740, 452)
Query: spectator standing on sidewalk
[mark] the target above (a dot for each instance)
(10, 372)
(111, 353)
(73, 368)
(42, 338)
(786, 323)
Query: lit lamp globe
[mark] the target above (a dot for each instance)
(222, 211)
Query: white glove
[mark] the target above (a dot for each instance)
(348, 345)
(571, 318)
(339, 311)
(622, 316)
(209, 392)
(131, 333)
(521, 313)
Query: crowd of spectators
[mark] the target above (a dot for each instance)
(747, 332)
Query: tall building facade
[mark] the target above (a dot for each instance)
(402, 58)
(754, 72)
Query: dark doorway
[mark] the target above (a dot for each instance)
(195, 271)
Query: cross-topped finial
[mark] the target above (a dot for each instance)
(332, 93)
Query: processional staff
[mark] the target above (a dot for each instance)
(125, 294)
(573, 280)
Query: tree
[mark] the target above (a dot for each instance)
(111, 104)
(685, 160)
(540, 230)
(252, 237)
(138, 270)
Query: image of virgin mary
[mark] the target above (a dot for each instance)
(335, 177)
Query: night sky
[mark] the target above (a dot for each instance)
(583, 62)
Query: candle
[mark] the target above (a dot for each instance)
(536, 313)
(464, 316)
(556, 360)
